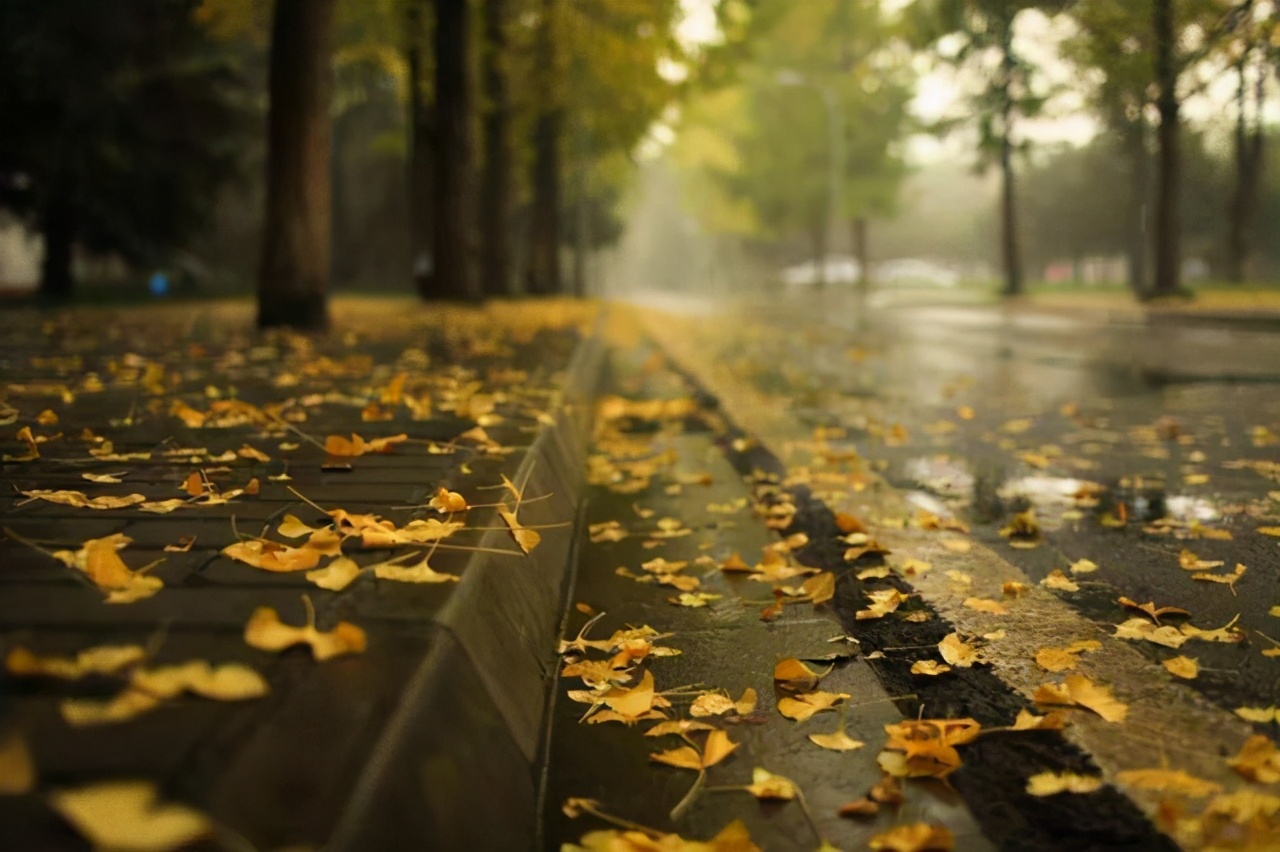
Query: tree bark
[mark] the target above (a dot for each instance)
(453, 216)
(495, 181)
(1167, 250)
(1248, 155)
(544, 232)
(293, 278)
(1139, 196)
(421, 157)
(58, 228)
(1011, 259)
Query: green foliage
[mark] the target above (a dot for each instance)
(754, 141)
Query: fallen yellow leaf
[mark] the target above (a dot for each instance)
(1052, 783)
(265, 631)
(124, 815)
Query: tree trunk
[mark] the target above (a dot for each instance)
(421, 156)
(58, 228)
(293, 279)
(1248, 155)
(495, 181)
(1139, 196)
(862, 252)
(544, 231)
(453, 216)
(1168, 252)
(1012, 262)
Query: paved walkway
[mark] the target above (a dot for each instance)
(420, 733)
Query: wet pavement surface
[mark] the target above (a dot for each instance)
(1137, 446)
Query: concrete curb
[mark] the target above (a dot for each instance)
(456, 764)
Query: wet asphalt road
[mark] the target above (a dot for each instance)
(1168, 430)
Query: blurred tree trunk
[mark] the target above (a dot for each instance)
(421, 155)
(453, 217)
(1168, 252)
(495, 180)
(861, 250)
(1139, 195)
(544, 232)
(1012, 261)
(1248, 154)
(57, 225)
(294, 276)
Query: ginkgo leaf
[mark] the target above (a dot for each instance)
(77, 499)
(125, 815)
(746, 705)
(273, 556)
(1143, 629)
(378, 534)
(1059, 581)
(958, 652)
(1083, 566)
(735, 563)
(1261, 715)
(419, 572)
(99, 559)
(1258, 760)
(1150, 609)
(1052, 783)
(694, 599)
(1028, 721)
(527, 539)
(335, 576)
(677, 726)
(913, 567)
(732, 838)
(765, 785)
(836, 741)
(336, 445)
(1183, 667)
(291, 527)
(1078, 690)
(631, 705)
(883, 602)
(33, 450)
(103, 478)
(102, 659)
(986, 605)
(267, 632)
(820, 587)
(1189, 561)
(1169, 781)
(17, 769)
(805, 705)
(915, 837)
(1064, 659)
(794, 676)
(711, 704)
(717, 747)
(147, 688)
(929, 667)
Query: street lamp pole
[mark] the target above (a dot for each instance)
(835, 155)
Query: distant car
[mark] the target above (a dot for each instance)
(913, 272)
(839, 270)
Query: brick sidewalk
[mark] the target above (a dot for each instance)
(304, 763)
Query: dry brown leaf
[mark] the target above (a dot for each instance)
(883, 602)
(1078, 690)
(769, 787)
(267, 632)
(805, 705)
(1052, 783)
(125, 815)
(915, 837)
(794, 676)
(336, 445)
(711, 704)
(735, 563)
(1258, 760)
(1028, 721)
(102, 659)
(1188, 561)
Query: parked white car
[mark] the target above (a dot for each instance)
(913, 272)
(840, 269)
